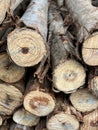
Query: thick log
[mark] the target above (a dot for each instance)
(28, 43)
(83, 100)
(15, 126)
(10, 72)
(66, 71)
(10, 98)
(38, 99)
(90, 121)
(23, 117)
(87, 26)
(61, 118)
(6, 6)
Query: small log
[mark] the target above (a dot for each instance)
(87, 26)
(83, 100)
(38, 99)
(90, 121)
(15, 126)
(6, 6)
(10, 72)
(61, 118)
(23, 117)
(10, 98)
(28, 42)
(66, 71)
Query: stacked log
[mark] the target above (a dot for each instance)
(48, 65)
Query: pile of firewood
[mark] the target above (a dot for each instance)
(48, 65)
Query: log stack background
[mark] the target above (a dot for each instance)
(48, 65)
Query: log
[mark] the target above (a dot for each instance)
(6, 6)
(61, 118)
(90, 121)
(15, 126)
(23, 117)
(83, 100)
(1, 120)
(87, 26)
(28, 42)
(10, 98)
(66, 71)
(60, 3)
(38, 98)
(10, 72)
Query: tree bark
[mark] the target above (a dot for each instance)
(87, 26)
(10, 98)
(38, 99)
(15, 126)
(23, 117)
(28, 43)
(10, 72)
(83, 100)
(61, 118)
(6, 6)
(90, 121)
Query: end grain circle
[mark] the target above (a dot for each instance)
(26, 47)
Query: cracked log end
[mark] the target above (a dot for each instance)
(90, 50)
(83, 100)
(10, 72)
(26, 47)
(69, 76)
(10, 99)
(23, 117)
(63, 121)
(39, 103)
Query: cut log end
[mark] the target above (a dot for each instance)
(27, 45)
(69, 76)
(62, 121)
(90, 50)
(10, 99)
(39, 103)
(84, 101)
(9, 72)
(93, 86)
(23, 117)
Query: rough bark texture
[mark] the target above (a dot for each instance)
(90, 121)
(83, 100)
(10, 98)
(28, 43)
(87, 26)
(38, 100)
(10, 72)
(23, 117)
(61, 118)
